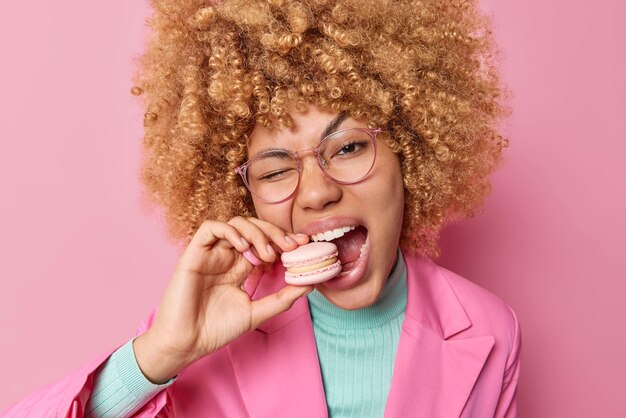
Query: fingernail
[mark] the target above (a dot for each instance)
(244, 242)
(289, 240)
(303, 236)
(249, 255)
(270, 250)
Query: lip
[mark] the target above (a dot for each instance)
(321, 225)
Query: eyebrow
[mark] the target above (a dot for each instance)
(334, 124)
(273, 152)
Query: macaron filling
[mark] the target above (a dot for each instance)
(306, 268)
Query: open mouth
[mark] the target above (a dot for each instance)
(350, 242)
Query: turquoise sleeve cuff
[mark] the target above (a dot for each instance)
(130, 373)
(120, 388)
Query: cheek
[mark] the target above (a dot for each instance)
(393, 194)
(383, 200)
(392, 187)
(397, 199)
(278, 214)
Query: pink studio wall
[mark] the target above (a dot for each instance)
(83, 261)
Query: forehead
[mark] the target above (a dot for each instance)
(307, 130)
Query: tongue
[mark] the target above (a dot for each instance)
(349, 245)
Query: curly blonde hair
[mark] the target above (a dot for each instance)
(424, 70)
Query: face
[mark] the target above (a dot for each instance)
(374, 206)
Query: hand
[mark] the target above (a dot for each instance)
(204, 306)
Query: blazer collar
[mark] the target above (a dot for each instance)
(436, 365)
(431, 301)
(276, 365)
(435, 370)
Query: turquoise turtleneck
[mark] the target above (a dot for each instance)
(357, 348)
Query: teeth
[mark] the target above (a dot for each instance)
(331, 234)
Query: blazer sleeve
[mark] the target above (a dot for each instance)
(507, 403)
(68, 397)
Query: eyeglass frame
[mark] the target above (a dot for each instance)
(298, 155)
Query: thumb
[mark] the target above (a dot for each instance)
(271, 305)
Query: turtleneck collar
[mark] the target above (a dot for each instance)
(390, 304)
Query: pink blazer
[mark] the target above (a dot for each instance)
(458, 356)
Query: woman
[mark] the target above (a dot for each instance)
(268, 124)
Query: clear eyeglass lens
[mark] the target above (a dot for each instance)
(273, 176)
(346, 156)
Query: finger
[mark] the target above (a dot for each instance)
(211, 232)
(271, 305)
(256, 237)
(300, 238)
(283, 241)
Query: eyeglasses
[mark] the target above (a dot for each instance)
(345, 156)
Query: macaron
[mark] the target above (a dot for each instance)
(311, 263)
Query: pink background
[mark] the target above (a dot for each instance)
(83, 261)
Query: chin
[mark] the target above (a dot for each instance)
(361, 296)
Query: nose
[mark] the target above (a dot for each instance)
(316, 191)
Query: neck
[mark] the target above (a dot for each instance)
(390, 304)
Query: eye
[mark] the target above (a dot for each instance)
(348, 148)
(351, 148)
(276, 175)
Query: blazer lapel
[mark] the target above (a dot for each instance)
(434, 373)
(276, 365)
